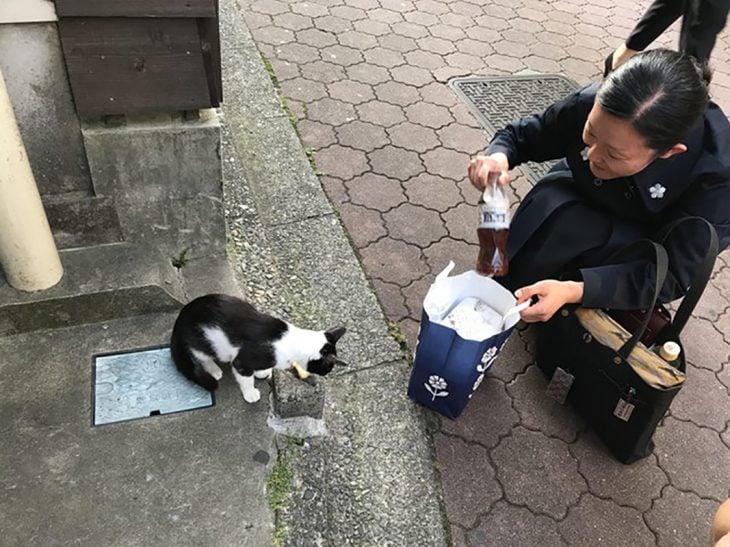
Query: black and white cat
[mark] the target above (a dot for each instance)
(216, 329)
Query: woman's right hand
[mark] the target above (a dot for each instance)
(481, 166)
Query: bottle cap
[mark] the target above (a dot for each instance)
(669, 351)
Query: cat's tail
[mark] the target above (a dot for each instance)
(189, 366)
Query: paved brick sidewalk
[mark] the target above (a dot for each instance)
(366, 81)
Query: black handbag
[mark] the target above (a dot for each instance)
(631, 320)
(613, 380)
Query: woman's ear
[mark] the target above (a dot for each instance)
(678, 148)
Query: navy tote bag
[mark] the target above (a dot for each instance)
(447, 367)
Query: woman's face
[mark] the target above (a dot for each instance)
(615, 148)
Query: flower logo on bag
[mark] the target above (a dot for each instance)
(478, 382)
(489, 356)
(418, 338)
(435, 387)
(486, 361)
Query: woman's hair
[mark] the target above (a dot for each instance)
(661, 92)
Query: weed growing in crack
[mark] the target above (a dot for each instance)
(270, 71)
(278, 488)
(395, 331)
(181, 259)
(310, 152)
(311, 156)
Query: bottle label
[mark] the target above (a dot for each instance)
(494, 218)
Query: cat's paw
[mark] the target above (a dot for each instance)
(263, 374)
(251, 395)
(217, 374)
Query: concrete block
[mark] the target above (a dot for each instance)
(35, 73)
(173, 225)
(82, 221)
(165, 178)
(294, 397)
(151, 159)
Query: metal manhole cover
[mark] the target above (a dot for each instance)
(138, 384)
(499, 100)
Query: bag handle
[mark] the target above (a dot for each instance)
(445, 272)
(662, 267)
(699, 280)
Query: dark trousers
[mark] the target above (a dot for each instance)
(565, 242)
(702, 21)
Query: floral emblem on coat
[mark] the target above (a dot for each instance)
(657, 191)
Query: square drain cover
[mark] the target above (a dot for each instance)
(499, 100)
(138, 384)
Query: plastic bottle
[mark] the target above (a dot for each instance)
(494, 219)
(669, 351)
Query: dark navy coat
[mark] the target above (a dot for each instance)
(693, 183)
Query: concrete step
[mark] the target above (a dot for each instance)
(80, 220)
(99, 283)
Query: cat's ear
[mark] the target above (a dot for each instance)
(333, 335)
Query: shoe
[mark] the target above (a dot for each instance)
(608, 65)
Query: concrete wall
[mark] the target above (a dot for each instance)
(32, 63)
(161, 174)
(165, 179)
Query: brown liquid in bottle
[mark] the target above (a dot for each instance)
(492, 260)
(493, 230)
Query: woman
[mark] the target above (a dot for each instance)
(643, 148)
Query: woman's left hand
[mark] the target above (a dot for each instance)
(552, 295)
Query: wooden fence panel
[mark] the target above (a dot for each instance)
(136, 8)
(132, 65)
